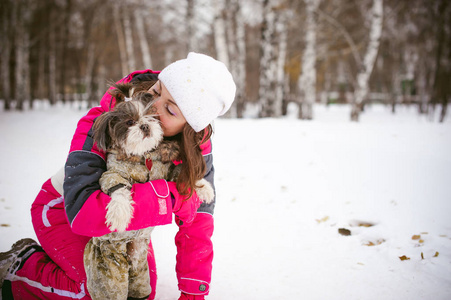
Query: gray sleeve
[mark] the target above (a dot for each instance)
(209, 176)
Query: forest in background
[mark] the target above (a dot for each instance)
(279, 51)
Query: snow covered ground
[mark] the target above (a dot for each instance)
(285, 187)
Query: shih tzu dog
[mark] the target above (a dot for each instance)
(127, 132)
(116, 263)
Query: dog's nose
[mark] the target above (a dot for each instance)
(145, 129)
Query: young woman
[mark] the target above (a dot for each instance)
(190, 94)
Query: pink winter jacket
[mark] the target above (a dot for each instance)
(85, 204)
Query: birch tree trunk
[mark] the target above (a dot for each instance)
(307, 80)
(410, 61)
(220, 33)
(280, 64)
(19, 56)
(5, 47)
(231, 10)
(101, 80)
(362, 88)
(26, 16)
(89, 79)
(129, 42)
(236, 53)
(422, 86)
(441, 86)
(241, 61)
(26, 65)
(267, 59)
(120, 39)
(52, 56)
(40, 92)
(64, 45)
(147, 60)
(190, 23)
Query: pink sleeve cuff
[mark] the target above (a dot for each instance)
(153, 207)
(193, 286)
(195, 255)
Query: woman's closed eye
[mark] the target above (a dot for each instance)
(156, 93)
(170, 110)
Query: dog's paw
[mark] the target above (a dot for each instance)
(119, 210)
(205, 191)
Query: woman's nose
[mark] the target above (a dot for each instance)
(157, 107)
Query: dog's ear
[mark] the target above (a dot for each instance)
(147, 100)
(101, 129)
(169, 150)
(143, 86)
(143, 82)
(121, 91)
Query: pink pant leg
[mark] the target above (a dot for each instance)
(64, 247)
(57, 273)
(152, 270)
(40, 278)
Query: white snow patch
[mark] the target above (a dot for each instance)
(284, 188)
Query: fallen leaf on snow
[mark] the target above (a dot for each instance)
(436, 254)
(344, 231)
(404, 257)
(378, 242)
(325, 219)
(366, 224)
(416, 237)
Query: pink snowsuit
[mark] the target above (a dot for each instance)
(64, 225)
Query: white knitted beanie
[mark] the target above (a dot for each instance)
(201, 86)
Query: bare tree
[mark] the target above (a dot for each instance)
(240, 70)
(143, 41)
(22, 9)
(89, 76)
(271, 47)
(307, 80)
(442, 76)
(236, 52)
(190, 25)
(120, 38)
(65, 37)
(39, 53)
(266, 91)
(5, 50)
(52, 55)
(369, 59)
(219, 29)
(281, 77)
(61, 47)
(129, 45)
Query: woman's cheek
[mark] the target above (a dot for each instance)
(165, 124)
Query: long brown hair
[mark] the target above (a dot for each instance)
(193, 163)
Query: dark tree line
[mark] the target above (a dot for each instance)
(279, 51)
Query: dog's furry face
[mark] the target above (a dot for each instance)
(131, 128)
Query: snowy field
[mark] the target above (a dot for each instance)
(285, 187)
